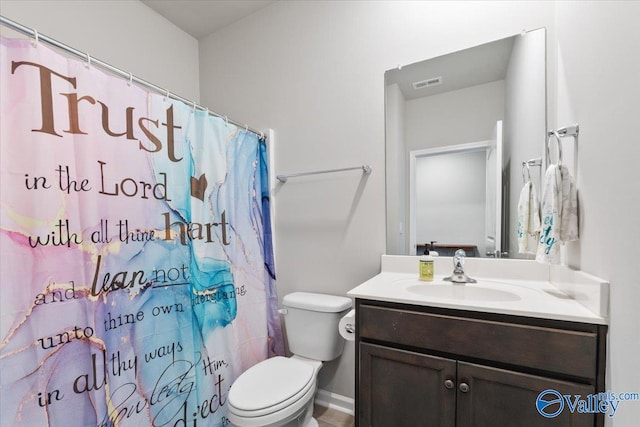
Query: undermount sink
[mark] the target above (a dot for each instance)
(462, 292)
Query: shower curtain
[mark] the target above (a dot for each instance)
(136, 268)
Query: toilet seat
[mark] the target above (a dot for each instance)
(272, 385)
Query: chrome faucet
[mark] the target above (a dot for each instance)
(458, 275)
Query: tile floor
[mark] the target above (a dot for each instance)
(331, 418)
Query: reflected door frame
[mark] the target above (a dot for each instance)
(413, 156)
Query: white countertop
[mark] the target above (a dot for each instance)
(503, 295)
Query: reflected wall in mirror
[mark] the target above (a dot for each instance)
(453, 105)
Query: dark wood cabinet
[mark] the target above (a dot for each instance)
(405, 388)
(423, 366)
(498, 397)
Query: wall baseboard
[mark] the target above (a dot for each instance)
(335, 401)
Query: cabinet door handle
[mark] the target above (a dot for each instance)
(464, 387)
(448, 384)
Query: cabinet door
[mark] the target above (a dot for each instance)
(401, 388)
(489, 397)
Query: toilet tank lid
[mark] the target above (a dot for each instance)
(316, 302)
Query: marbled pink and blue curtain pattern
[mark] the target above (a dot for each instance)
(136, 266)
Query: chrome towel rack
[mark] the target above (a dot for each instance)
(527, 164)
(366, 169)
(573, 131)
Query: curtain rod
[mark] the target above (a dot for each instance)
(119, 72)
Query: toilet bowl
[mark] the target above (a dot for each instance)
(276, 392)
(279, 392)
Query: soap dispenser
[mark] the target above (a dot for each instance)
(426, 266)
(432, 252)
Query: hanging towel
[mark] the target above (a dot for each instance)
(548, 249)
(528, 219)
(559, 211)
(569, 206)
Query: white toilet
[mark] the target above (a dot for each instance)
(279, 392)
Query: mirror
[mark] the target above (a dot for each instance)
(458, 129)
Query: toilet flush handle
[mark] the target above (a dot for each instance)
(283, 311)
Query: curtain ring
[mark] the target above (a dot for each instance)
(193, 104)
(130, 82)
(226, 121)
(88, 64)
(36, 38)
(246, 128)
(558, 144)
(262, 135)
(167, 95)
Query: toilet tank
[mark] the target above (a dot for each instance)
(311, 322)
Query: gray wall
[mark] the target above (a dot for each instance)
(456, 117)
(396, 171)
(126, 34)
(598, 41)
(450, 199)
(314, 72)
(524, 124)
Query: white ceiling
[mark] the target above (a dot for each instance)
(203, 17)
(470, 67)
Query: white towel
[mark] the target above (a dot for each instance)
(559, 207)
(528, 219)
(569, 206)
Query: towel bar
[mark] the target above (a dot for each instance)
(366, 169)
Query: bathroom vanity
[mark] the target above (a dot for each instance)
(429, 354)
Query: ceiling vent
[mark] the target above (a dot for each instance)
(427, 83)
